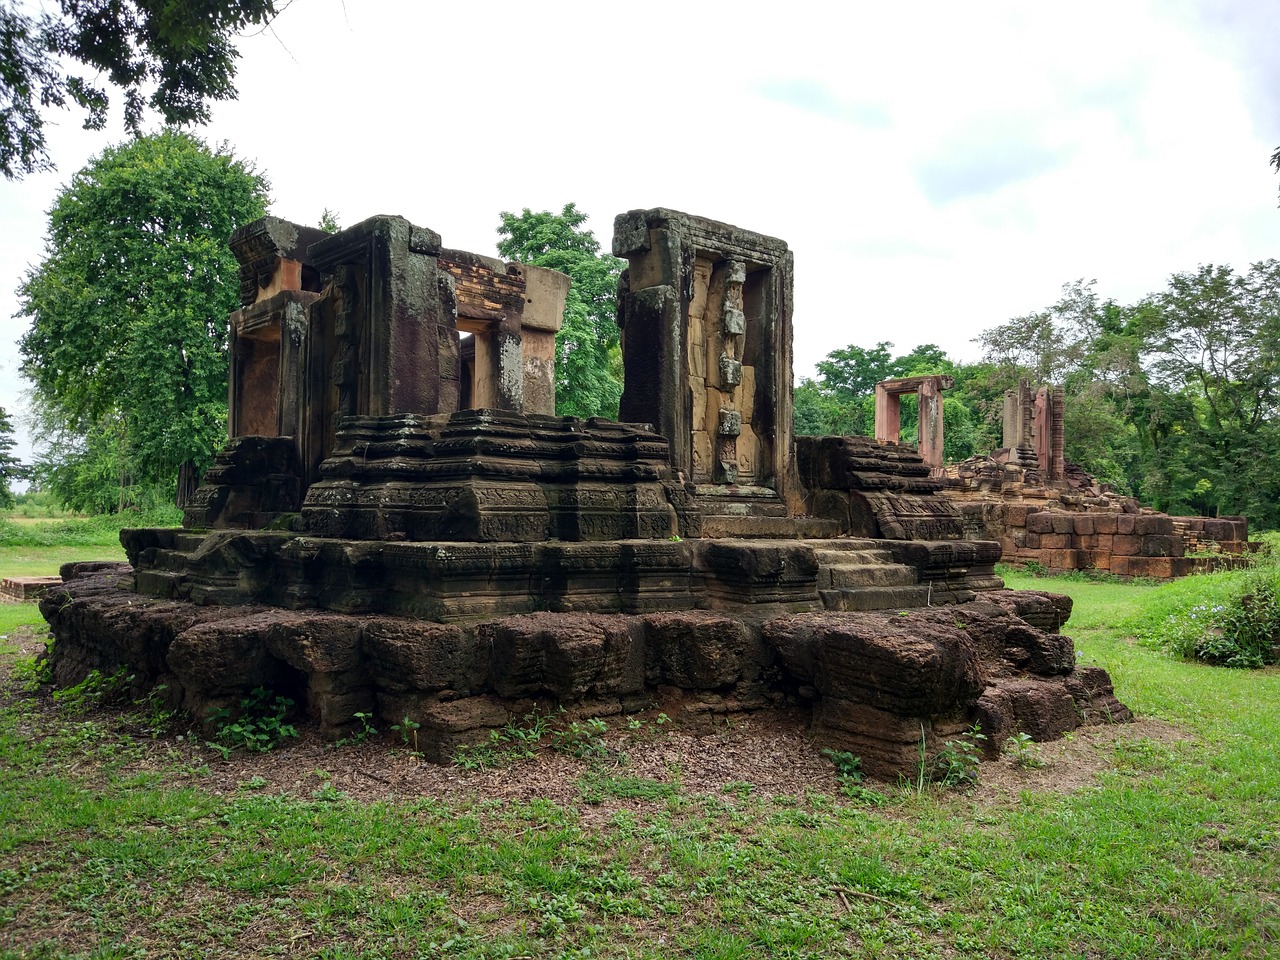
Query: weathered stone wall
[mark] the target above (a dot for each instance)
(1078, 524)
(874, 489)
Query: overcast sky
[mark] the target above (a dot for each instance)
(937, 168)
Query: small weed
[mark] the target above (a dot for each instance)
(363, 731)
(582, 740)
(856, 792)
(95, 690)
(848, 767)
(408, 729)
(849, 774)
(956, 764)
(257, 726)
(1023, 751)
(32, 673)
(508, 745)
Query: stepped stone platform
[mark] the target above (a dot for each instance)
(876, 682)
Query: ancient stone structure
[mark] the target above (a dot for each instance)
(366, 323)
(705, 312)
(929, 434)
(1049, 512)
(877, 684)
(1034, 436)
(429, 542)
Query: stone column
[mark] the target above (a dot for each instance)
(930, 433)
(888, 415)
(1057, 435)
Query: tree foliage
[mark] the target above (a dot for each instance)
(588, 356)
(1212, 346)
(1172, 399)
(172, 57)
(11, 467)
(127, 348)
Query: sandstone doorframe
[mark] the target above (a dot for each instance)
(929, 427)
(705, 310)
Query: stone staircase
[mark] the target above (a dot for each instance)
(856, 574)
(731, 511)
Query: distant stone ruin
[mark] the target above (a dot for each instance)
(399, 527)
(929, 432)
(1044, 510)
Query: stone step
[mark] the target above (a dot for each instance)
(741, 508)
(874, 598)
(835, 558)
(171, 560)
(777, 528)
(845, 544)
(867, 575)
(189, 542)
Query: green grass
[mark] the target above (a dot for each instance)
(110, 846)
(45, 561)
(37, 542)
(15, 615)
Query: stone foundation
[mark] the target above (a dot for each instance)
(876, 682)
(1079, 525)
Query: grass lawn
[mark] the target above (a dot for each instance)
(121, 838)
(45, 561)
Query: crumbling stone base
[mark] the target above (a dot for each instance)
(877, 682)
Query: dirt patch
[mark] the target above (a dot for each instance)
(769, 752)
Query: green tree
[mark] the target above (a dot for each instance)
(1090, 347)
(181, 52)
(588, 356)
(1275, 159)
(1212, 344)
(11, 467)
(127, 347)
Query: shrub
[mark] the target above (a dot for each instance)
(1240, 629)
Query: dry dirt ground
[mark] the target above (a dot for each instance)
(768, 750)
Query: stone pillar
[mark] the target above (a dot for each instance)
(1057, 436)
(1042, 415)
(269, 334)
(888, 415)
(1012, 420)
(545, 294)
(930, 431)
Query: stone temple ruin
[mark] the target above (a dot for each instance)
(1044, 510)
(400, 526)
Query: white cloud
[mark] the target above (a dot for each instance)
(937, 168)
